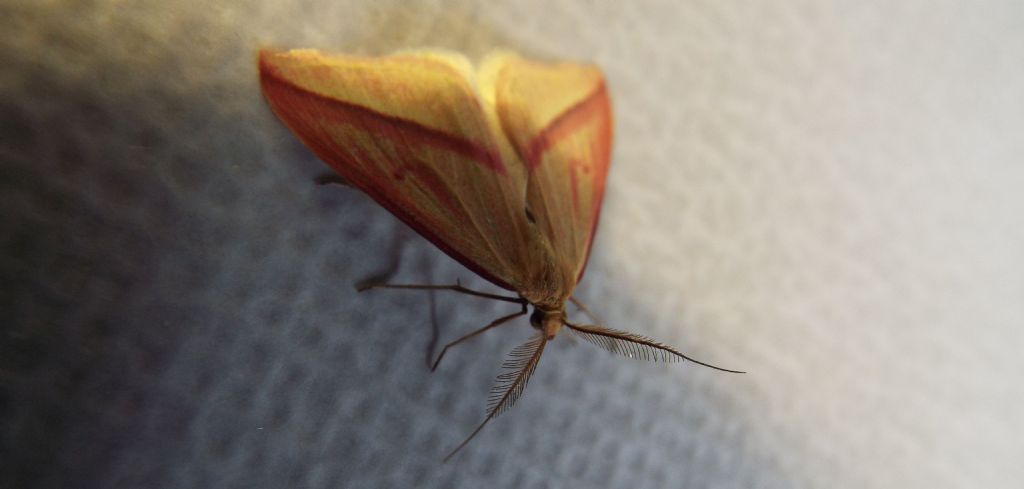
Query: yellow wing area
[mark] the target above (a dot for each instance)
(558, 118)
(410, 130)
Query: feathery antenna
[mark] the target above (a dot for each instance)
(634, 345)
(510, 384)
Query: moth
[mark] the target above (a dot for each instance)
(502, 167)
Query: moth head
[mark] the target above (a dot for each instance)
(547, 320)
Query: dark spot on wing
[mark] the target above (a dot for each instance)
(529, 216)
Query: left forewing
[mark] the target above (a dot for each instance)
(558, 118)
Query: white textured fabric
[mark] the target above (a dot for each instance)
(825, 194)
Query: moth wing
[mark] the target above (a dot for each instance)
(558, 118)
(410, 130)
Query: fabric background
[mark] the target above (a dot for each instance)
(827, 195)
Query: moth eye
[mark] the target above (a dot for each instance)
(529, 216)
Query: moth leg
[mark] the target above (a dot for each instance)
(579, 305)
(331, 179)
(391, 268)
(495, 323)
(455, 288)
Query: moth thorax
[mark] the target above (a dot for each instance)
(548, 321)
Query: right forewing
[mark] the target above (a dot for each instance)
(410, 131)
